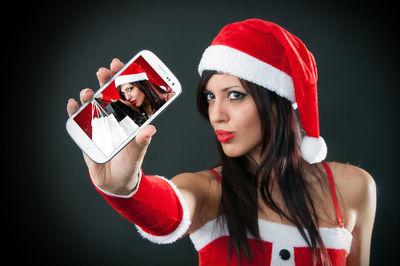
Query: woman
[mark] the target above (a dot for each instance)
(271, 200)
(138, 88)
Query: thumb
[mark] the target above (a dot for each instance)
(144, 135)
(137, 148)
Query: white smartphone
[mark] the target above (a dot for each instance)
(130, 100)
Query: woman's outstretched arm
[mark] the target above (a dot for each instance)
(163, 210)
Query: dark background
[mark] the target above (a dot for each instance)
(52, 50)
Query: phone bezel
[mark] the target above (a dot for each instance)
(82, 139)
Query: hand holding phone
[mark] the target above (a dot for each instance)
(118, 175)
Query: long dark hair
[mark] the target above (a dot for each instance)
(282, 168)
(152, 93)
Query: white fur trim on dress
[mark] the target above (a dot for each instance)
(278, 234)
(225, 59)
(130, 78)
(313, 150)
(182, 227)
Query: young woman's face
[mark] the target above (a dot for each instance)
(132, 93)
(233, 115)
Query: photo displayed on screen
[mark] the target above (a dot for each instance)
(124, 105)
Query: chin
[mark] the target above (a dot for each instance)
(233, 152)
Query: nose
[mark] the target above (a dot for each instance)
(218, 111)
(129, 96)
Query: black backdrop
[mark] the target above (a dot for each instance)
(53, 50)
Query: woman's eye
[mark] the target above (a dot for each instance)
(235, 95)
(208, 96)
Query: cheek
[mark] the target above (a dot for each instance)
(248, 115)
(129, 95)
(249, 136)
(251, 118)
(251, 127)
(140, 96)
(133, 94)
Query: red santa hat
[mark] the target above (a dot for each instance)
(268, 55)
(135, 73)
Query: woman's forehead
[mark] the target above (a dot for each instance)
(224, 82)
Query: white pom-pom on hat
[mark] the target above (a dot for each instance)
(313, 150)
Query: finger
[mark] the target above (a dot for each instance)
(86, 95)
(103, 75)
(137, 148)
(144, 135)
(115, 65)
(72, 106)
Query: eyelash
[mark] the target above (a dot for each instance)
(128, 89)
(239, 95)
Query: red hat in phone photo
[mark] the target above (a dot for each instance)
(132, 73)
(135, 73)
(268, 55)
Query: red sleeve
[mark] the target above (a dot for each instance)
(157, 208)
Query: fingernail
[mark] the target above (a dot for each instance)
(101, 68)
(83, 92)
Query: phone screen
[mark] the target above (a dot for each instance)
(116, 112)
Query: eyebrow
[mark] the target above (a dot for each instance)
(225, 89)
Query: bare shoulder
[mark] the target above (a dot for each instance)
(355, 185)
(349, 175)
(357, 190)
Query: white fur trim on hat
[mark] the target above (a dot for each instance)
(313, 150)
(229, 60)
(130, 78)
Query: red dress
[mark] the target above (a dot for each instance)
(281, 244)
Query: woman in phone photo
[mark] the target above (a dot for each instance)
(138, 88)
(272, 199)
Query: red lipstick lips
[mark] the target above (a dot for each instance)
(224, 136)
